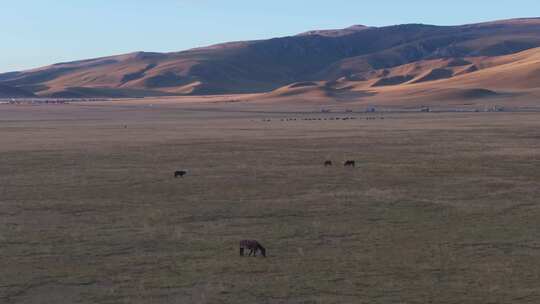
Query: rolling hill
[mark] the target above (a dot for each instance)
(513, 78)
(412, 58)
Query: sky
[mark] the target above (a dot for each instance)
(41, 32)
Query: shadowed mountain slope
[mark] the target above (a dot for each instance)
(13, 92)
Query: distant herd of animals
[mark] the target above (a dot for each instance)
(254, 246)
(320, 119)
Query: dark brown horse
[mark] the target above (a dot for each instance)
(328, 163)
(253, 247)
(350, 163)
(181, 173)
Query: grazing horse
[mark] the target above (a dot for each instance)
(328, 163)
(179, 173)
(350, 163)
(253, 247)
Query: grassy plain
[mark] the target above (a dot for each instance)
(442, 208)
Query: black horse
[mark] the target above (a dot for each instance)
(350, 163)
(328, 163)
(181, 173)
(253, 247)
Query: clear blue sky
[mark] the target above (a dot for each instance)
(41, 32)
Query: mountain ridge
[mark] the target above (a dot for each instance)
(358, 53)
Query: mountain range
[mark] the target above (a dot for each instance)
(500, 58)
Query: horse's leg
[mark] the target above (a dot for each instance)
(241, 251)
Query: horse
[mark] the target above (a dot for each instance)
(253, 247)
(181, 173)
(328, 163)
(350, 163)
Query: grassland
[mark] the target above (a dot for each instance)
(442, 208)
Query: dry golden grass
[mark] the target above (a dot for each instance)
(443, 208)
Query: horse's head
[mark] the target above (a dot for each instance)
(263, 250)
